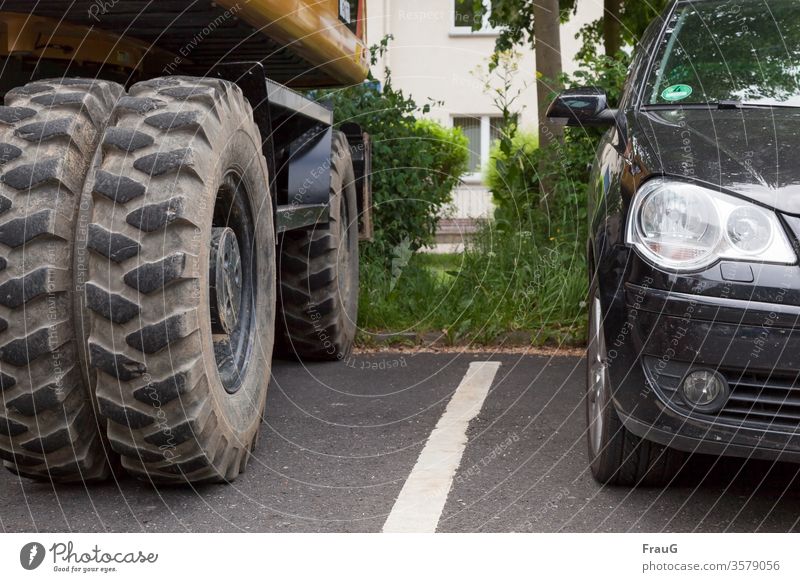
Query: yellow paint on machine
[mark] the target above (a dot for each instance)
(42, 38)
(313, 30)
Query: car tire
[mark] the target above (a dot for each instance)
(181, 289)
(319, 274)
(49, 131)
(617, 456)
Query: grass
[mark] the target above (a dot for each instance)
(504, 283)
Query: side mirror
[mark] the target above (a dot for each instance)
(582, 107)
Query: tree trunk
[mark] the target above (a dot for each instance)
(612, 33)
(547, 28)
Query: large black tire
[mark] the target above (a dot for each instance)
(182, 160)
(617, 456)
(319, 274)
(49, 131)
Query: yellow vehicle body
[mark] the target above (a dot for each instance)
(315, 31)
(302, 43)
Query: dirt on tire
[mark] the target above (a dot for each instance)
(161, 379)
(49, 131)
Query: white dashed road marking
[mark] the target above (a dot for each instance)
(422, 500)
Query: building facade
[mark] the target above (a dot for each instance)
(436, 55)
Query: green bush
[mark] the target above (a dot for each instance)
(416, 164)
(513, 189)
(526, 142)
(518, 166)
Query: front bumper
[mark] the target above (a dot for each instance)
(655, 337)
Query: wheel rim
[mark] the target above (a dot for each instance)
(225, 280)
(233, 286)
(597, 378)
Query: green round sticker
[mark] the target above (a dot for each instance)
(676, 93)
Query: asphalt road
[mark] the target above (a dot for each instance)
(339, 442)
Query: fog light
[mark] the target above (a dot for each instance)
(705, 390)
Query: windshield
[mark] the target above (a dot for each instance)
(747, 51)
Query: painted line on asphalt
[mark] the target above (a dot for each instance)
(424, 494)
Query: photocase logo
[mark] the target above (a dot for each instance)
(31, 555)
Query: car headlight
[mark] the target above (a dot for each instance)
(682, 226)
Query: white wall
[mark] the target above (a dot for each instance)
(428, 61)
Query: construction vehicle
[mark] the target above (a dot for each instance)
(171, 209)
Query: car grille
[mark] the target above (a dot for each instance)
(763, 398)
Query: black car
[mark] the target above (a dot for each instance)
(694, 237)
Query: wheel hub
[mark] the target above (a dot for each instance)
(225, 280)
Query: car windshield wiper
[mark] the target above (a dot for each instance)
(741, 105)
(723, 104)
(770, 105)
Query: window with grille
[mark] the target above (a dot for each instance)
(471, 126)
(481, 131)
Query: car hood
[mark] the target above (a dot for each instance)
(754, 152)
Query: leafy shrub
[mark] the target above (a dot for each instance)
(518, 166)
(526, 142)
(511, 174)
(416, 163)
